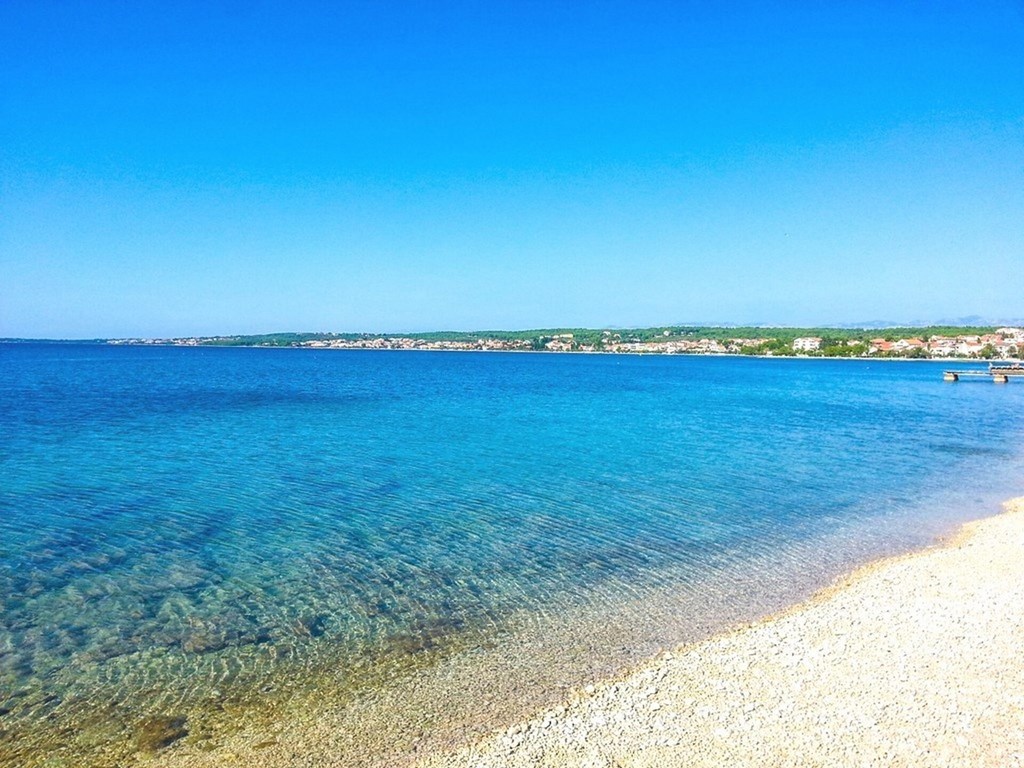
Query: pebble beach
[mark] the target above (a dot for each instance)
(910, 661)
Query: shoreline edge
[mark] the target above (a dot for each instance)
(908, 660)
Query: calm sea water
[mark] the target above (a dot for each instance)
(182, 527)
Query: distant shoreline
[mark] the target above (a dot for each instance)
(924, 342)
(631, 353)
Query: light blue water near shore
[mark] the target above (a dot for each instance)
(180, 523)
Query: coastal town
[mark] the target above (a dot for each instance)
(1006, 343)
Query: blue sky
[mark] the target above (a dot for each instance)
(201, 168)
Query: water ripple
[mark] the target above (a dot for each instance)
(207, 533)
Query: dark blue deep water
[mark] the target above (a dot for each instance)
(186, 522)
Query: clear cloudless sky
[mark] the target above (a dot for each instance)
(172, 168)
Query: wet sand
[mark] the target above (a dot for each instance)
(911, 661)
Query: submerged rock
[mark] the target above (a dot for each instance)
(202, 641)
(310, 625)
(159, 732)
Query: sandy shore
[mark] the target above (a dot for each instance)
(917, 660)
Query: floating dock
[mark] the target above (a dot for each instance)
(1000, 374)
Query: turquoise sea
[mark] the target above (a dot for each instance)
(196, 534)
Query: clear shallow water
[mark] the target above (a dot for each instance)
(188, 532)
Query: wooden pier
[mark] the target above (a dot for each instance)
(1000, 374)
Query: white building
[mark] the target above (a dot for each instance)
(806, 344)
